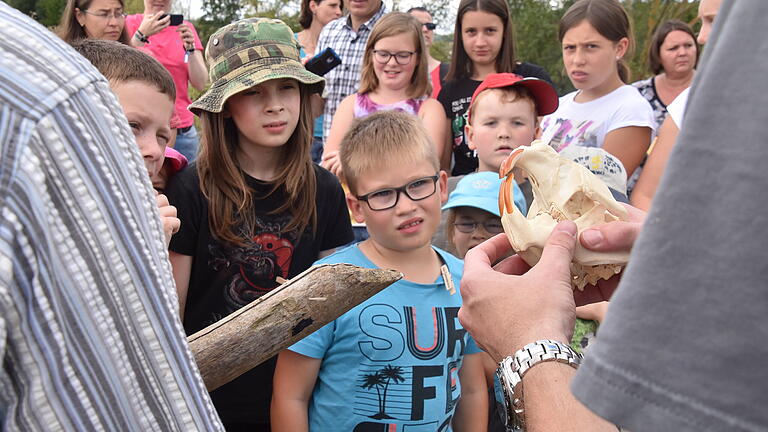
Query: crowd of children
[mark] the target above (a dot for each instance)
(253, 208)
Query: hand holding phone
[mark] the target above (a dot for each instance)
(176, 19)
(324, 62)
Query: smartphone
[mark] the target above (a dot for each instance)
(176, 19)
(324, 62)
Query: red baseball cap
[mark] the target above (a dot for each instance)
(545, 95)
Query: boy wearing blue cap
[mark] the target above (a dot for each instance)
(473, 211)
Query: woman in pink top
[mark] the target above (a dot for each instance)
(179, 49)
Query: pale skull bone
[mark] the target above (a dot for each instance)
(562, 189)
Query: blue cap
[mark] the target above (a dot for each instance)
(481, 190)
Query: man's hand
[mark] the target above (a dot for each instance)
(512, 304)
(609, 237)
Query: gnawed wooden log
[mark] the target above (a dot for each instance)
(242, 340)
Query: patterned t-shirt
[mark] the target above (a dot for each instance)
(392, 362)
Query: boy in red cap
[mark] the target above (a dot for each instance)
(503, 115)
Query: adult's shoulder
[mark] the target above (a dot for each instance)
(643, 83)
(331, 28)
(525, 69)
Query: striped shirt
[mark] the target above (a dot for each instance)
(90, 337)
(344, 80)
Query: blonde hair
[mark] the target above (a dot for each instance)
(230, 200)
(393, 24)
(384, 139)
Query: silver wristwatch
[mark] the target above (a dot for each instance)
(509, 375)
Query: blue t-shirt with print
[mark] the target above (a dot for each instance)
(391, 363)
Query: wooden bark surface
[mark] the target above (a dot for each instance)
(242, 340)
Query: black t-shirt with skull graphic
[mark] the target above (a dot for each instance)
(226, 277)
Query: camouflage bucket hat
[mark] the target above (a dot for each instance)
(246, 53)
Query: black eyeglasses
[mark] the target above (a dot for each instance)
(416, 190)
(491, 226)
(401, 57)
(429, 26)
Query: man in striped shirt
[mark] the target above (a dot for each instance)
(347, 36)
(90, 337)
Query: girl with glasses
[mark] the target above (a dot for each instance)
(394, 77)
(93, 19)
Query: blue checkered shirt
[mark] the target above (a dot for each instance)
(350, 46)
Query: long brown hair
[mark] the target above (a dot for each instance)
(609, 18)
(461, 64)
(393, 24)
(231, 201)
(70, 30)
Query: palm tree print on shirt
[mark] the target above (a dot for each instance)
(380, 381)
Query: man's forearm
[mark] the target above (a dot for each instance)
(549, 404)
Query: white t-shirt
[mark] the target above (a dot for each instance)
(676, 108)
(587, 124)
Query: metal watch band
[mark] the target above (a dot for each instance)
(512, 369)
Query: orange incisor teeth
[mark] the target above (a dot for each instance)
(505, 197)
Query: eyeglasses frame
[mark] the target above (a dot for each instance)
(398, 190)
(476, 225)
(120, 16)
(390, 55)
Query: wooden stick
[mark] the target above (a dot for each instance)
(245, 338)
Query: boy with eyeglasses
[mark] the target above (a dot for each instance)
(400, 360)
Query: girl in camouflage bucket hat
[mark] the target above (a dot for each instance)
(253, 206)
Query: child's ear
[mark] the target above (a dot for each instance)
(537, 131)
(355, 207)
(443, 183)
(469, 133)
(621, 48)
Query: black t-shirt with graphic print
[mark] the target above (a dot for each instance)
(455, 97)
(225, 277)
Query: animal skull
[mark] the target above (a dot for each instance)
(562, 189)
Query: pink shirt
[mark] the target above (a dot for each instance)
(167, 48)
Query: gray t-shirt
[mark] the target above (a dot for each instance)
(684, 345)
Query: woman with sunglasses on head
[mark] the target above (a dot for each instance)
(179, 49)
(437, 70)
(394, 77)
(96, 19)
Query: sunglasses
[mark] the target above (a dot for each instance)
(430, 26)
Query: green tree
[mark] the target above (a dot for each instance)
(46, 12)
(536, 23)
(216, 14)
